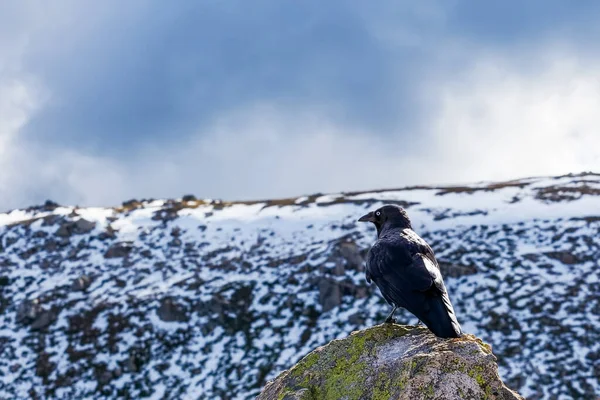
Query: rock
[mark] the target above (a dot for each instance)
(170, 311)
(345, 255)
(79, 227)
(131, 204)
(563, 256)
(109, 233)
(39, 235)
(44, 367)
(136, 359)
(43, 320)
(81, 284)
(393, 362)
(351, 252)
(84, 226)
(30, 312)
(51, 219)
(330, 294)
(453, 270)
(119, 250)
(50, 205)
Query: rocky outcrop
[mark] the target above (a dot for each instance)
(393, 362)
(118, 250)
(78, 227)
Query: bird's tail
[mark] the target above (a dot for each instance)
(441, 318)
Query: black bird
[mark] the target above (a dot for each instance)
(405, 270)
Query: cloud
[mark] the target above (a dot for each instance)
(18, 99)
(144, 73)
(235, 101)
(507, 116)
(496, 119)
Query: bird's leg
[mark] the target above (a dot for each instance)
(390, 319)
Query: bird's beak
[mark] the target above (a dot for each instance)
(367, 218)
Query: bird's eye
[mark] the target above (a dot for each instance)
(378, 213)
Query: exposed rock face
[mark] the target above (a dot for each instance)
(81, 283)
(118, 250)
(78, 227)
(393, 362)
(170, 311)
(33, 314)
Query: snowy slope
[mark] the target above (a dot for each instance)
(201, 299)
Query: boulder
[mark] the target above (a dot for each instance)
(170, 311)
(31, 312)
(119, 250)
(81, 284)
(43, 320)
(330, 294)
(393, 362)
(79, 227)
(28, 311)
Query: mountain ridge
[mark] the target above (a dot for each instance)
(193, 298)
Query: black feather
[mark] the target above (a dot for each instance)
(405, 270)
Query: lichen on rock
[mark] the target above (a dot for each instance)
(393, 362)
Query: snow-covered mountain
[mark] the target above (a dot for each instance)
(201, 299)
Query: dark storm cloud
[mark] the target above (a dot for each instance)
(100, 98)
(124, 72)
(146, 73)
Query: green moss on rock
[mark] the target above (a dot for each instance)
(393, 362)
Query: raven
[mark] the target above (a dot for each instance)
(405, 270)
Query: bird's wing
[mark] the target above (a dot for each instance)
(425, 274)
(404, 271)
(392, 270)
(416, 245)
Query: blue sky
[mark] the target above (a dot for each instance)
(105, 101)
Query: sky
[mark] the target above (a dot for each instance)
(102, 102)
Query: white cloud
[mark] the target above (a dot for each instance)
(499, 118)
(505, 117)
(18, 99)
